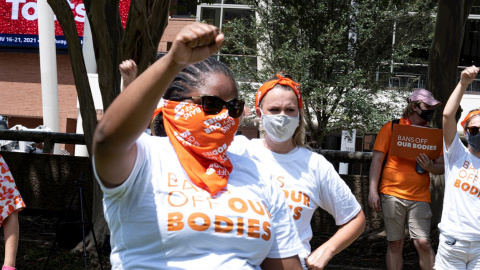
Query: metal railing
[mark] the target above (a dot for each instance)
(49, 139)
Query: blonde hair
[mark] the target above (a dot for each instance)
(409, 109)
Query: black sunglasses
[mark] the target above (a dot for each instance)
(213, 105)
(473, 130)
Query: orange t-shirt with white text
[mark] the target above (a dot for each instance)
(399, 176)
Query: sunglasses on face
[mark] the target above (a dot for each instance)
(473, 130)
(213, 105)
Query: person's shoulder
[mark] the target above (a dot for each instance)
(318, 159)
(154, 143)
(239, 145)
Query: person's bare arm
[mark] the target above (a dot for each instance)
(346, 234)
(374, 179)
(289, 263)
(114, 145)
(449, 123)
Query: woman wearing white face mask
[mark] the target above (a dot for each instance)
(307, 179)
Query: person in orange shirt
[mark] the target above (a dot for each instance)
(404, 194)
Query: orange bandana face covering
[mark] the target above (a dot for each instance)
(201, 142)
(263, 90)
(470, 115)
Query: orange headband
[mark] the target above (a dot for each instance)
(263, 90)
(157, 111)
(470, 115)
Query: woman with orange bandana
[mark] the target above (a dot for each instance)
(459, 244)
(180, 201)
(307, 179)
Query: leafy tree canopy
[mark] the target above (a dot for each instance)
(340, 52)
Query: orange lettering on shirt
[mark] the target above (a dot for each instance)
(175, 222)
(188, 185)
(266, 227)
(196, 199)
(280, 179)
(296, 213)
(253, 228)
(199, 227)
(232, 203)
(211, 202)
(471, 167)
(466, 164)
(240, 226)
(172, 180)
(474, 190)
(260, 211)
(306, 200)
(286, 193)
(465, 186)
(179, 198)
(296, 198)
(223, 224)
(457, 183)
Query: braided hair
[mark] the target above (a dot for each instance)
(188, 79)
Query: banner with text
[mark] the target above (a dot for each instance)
(410, 141)
(19, 27)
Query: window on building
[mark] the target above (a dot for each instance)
(183, 8)
(219, 14)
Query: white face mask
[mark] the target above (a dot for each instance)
(280, 127)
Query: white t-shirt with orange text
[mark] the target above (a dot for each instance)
(158, 219)
(461, 202)
(307, 180)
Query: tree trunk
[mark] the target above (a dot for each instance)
(445, 50)
(442, 74)
(87, 107)
(146, 24)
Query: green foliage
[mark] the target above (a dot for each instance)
(336, 49)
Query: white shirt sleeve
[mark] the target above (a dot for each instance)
(125, 186)
(336, 197)
(239, 145)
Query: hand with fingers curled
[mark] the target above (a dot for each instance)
(128, 71)
(425, 162)
(319, 258)
(468, 75)
(195, 42)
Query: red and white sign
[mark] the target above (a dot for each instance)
(19, 27)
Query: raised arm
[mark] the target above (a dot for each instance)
(114, 145)
(449, 123)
